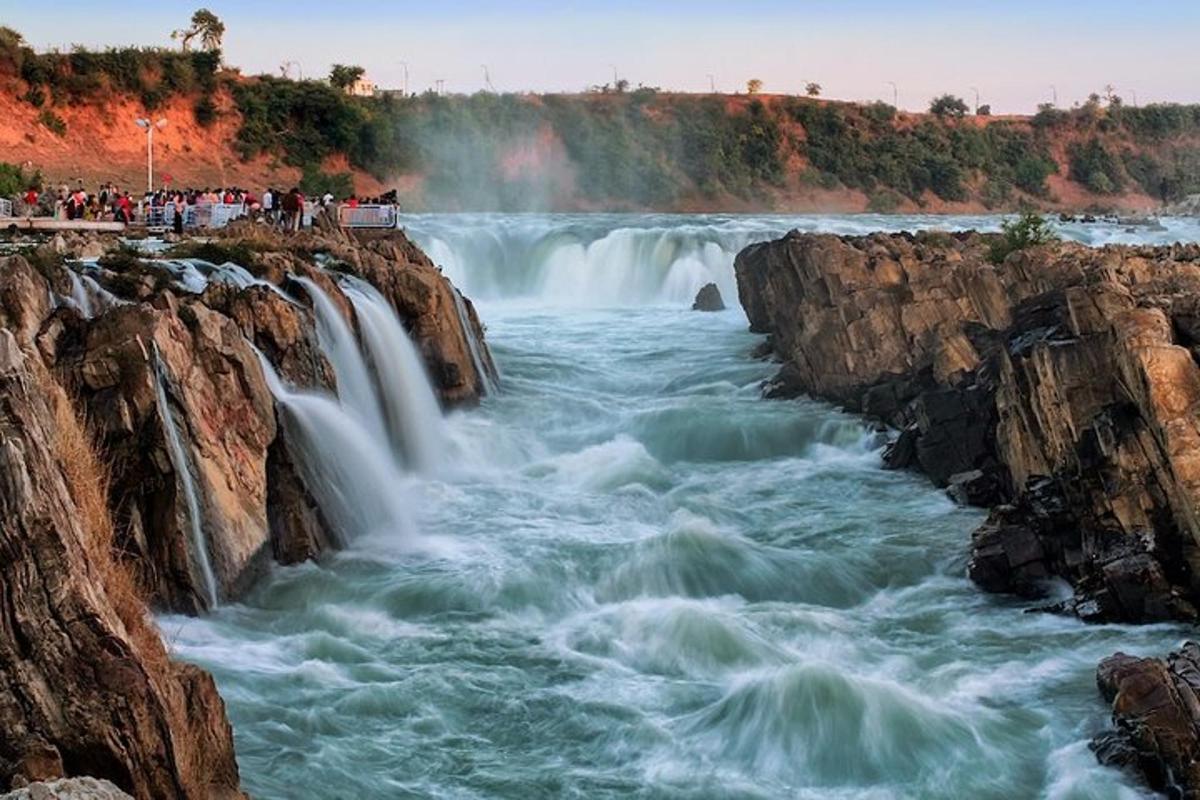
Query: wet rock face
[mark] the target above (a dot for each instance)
(1059, 389)
(1156, 719)
(708, 299)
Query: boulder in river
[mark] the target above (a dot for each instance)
(708, 299)
(1156, 718)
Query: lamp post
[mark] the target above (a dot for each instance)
(895, 94)
(712, 83)
(976, 91)
(404, 64)
(1054, 94)
(142, 122)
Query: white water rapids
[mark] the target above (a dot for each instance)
(648, 582)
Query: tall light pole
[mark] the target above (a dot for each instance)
(976, 91)
(142, 122)
(487, 79)
(712, 83)
(615, 79)
(895, 93)
(404, 65)
(1054, 94)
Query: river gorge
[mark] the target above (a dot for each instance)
(629, 575)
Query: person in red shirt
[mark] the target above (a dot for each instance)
(353, 201)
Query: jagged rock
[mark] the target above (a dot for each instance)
(1156, 718)
(1060, 384)
(708, 299)
(68, 789)
(224, 414)
(85, 684)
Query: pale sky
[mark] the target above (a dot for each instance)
(1011, 50)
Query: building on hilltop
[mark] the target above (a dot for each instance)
(361, 87)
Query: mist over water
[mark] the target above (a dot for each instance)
(649, 582)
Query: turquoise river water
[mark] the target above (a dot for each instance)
(631, 577)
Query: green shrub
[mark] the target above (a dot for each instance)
(14, 180)
(948, 106)
(53, 122)
(1028, 230)
(315, 183)
(996, 192)
(205, 111)
(239, 252)
(1094, 166)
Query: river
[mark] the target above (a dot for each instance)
(630, 576)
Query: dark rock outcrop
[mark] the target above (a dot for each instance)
(708, 299)
(1059, 388)
(1156, 719)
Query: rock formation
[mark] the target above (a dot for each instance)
(68, 789)
(1059, 388)
(1156, 711)
(708, 299)
(142, 461)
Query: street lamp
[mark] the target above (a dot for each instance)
(150, 126)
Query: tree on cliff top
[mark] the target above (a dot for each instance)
(343, 76)
(813, 90)
(207, 26)
(754, 86)
(948, 106)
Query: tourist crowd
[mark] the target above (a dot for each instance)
(110, 204)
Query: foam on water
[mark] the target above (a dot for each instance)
(659, 585)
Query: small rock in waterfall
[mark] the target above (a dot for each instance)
(708, 299)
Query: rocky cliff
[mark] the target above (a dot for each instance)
(142, 462)
(1059, 388)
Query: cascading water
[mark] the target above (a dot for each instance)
(79, 296)
(662, 586)
(183, 468)
(414, 418)
(350, 472)
(601, 260)
(473, 344)
(355, 388)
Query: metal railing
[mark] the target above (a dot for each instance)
(218, 215)
(369, 216)
(200, 215)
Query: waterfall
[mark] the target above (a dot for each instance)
(349, 470)
(182, 466)
(415, 424)
(355, 389)
(588, 260)
(464, 319)
(79, 296)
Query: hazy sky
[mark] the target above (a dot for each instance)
(1011, 50)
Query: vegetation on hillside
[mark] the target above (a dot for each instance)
(641, 148)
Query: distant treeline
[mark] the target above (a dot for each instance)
(642, 148)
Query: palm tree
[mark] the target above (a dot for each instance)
(207, 26)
